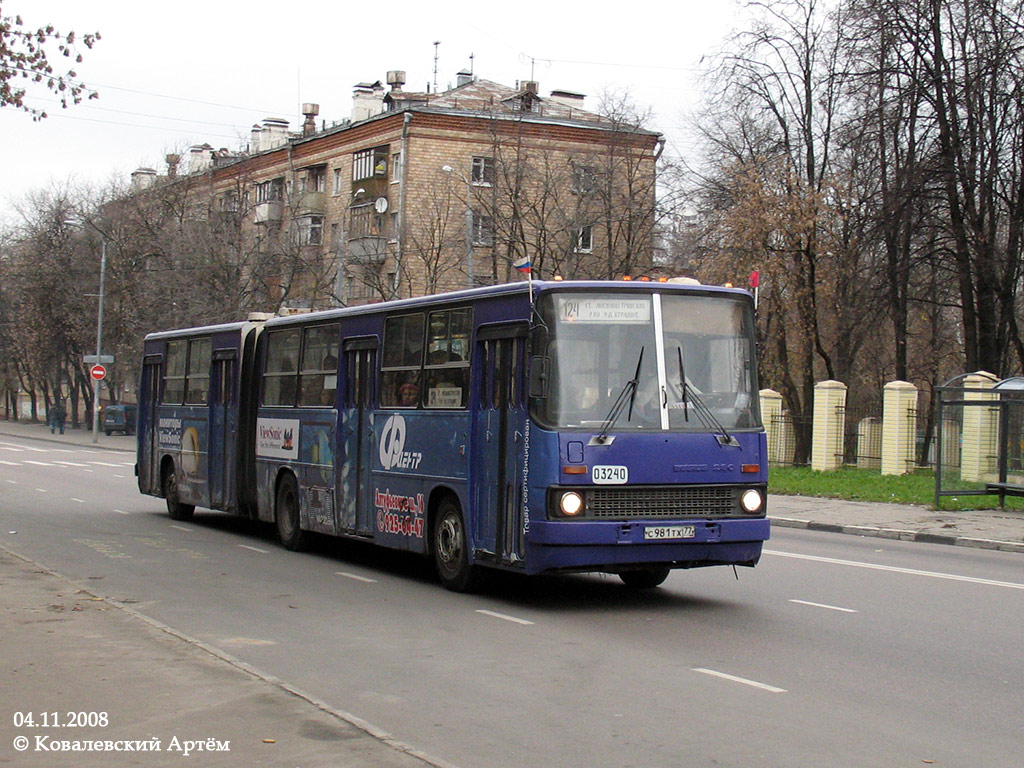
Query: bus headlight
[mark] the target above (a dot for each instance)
(751, 500)
(571, 504)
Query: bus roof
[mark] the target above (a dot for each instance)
(504, 289)
(202, 330)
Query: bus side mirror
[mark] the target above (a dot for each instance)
(540, 372)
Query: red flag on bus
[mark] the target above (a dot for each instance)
(755, 279)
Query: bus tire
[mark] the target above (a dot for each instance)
(175, 509)
(451, 549)
(286, 515)
(644, 578)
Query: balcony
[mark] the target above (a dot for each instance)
(367, 250)
(314, 203)
(268, 211)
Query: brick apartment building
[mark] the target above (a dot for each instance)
(422, 192)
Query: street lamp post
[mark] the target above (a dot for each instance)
(99, 329)
(469, 224)
(99, 344)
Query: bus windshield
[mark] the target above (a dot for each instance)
(626, 362)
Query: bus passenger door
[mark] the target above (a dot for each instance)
(500, 435)
(147, 419)
(355, 509)
(222, 426)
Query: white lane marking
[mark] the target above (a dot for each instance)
(356, 577)
(120, 476)
(182, 528)
(504, 617)
(11, 463)
(39, 463)
(822, 605)
(121, 512)
(743, 680)
(42, 490)
(80, 501)
(13, 482)
(895, 569)
(16, 447)
(255, 549)
(70, 463)
(104, 464)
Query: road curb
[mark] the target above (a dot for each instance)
(925, 537)
(77, 443)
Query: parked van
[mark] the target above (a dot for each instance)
(119, 418)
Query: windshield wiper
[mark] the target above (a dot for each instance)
(626, 396)
(704, 414)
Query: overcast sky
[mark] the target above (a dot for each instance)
(171, 75)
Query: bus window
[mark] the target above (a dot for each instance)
(318, 377)
(446, 373)
(279, 377)
(403, 358)
(174, 373)
(197, 386)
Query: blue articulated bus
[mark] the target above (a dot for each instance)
(535, 427)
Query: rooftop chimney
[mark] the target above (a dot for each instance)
(172, 164)
(142, 178)
(396, 79)
(274, 133)
(200, 157)
(463, 77)
(310, 111)
(367, 100)
(531, 86)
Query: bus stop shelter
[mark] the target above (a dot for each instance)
(980, 445)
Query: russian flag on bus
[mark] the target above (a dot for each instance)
(523, 264)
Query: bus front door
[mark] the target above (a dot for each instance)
(355, 511)
(501, 445)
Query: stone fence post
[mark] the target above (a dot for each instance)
(777, 429)
(979, 444)
(899, 428)
(829, 425)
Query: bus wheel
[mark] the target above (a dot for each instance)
(451, 551)
(175, 508)
(645, 578)
(286, 513)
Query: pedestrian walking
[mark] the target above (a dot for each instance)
(51, 417)
(62, 416)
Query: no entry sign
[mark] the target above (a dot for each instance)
(98, 372)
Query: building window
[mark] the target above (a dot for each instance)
(339, 183)
(483, 171)
(270, 191)
(584, 179)
(584, 239)
(370, 164)
(483, 229)
(313, 180)
(310, 230)
(396, 167)
(229, 201)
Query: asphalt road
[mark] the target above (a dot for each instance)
(836, 650)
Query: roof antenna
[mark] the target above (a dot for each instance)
(437, 44)
(471, 64)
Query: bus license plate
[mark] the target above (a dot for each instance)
(609, 475)
(663, 532)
